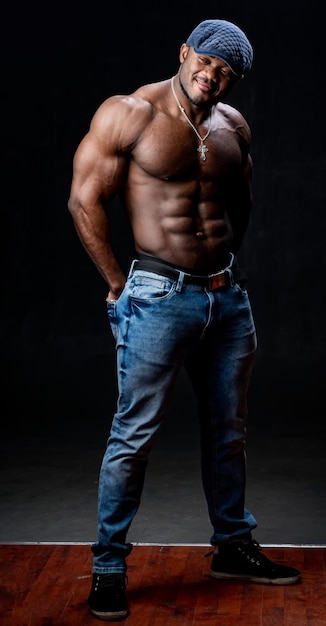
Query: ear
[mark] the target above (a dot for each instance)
(183, 52)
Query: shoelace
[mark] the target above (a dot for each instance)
(111, 580)
(250, 548)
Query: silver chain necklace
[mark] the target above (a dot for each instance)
(202, 148)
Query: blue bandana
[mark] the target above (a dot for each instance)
(222, 39)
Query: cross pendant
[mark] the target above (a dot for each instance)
(202, 149)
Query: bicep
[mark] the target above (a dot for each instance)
(98, 172)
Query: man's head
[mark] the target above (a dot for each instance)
(222, 39)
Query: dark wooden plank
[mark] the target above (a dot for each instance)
(48, 585)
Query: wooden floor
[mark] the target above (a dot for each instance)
(48, 584)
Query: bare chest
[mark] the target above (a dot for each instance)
(176, 151)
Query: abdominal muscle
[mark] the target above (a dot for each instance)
(175, 228)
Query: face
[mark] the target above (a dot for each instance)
(204, 79)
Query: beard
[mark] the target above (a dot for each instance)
(197, 101)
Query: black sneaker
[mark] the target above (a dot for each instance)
(245, 561)
(107, 599)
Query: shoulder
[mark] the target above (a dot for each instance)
(234, 120)
(123, 118)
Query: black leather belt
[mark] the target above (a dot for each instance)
(221, 280)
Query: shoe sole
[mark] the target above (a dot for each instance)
(109, 616)
(293, 580)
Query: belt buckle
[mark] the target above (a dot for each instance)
(216, 281)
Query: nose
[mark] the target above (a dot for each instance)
(211, 75)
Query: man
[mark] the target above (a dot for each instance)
(179, 159)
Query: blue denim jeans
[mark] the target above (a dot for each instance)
(159, 325)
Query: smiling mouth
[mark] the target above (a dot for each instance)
(204, 86)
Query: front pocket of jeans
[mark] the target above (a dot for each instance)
(150, 289)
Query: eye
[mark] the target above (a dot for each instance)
(225, 72)
(204, 60)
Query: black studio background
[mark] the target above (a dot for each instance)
(59, 63)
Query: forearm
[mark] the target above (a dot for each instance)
(239, 211)
(239, 232)
(94, 234)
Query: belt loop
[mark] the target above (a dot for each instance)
(229, 270)
(132, 267)
(180, 281)
(231, 277)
